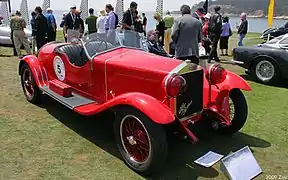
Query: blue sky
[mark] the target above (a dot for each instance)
(144, 5)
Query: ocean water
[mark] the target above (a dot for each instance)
(255, 24)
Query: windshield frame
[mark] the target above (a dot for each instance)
(275, 40)
(117, 31)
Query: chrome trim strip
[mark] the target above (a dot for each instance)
(237, 62)
(190, 116)
(36, 75)
(105, 72)
(178, 68)
(41, 74)
(46, 74)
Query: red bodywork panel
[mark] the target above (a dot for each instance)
(125, 77)
(60, 88)
(151, 107)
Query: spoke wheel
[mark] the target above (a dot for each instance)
(135, 139)
(238, 112)
(231, 109)
(28, 86)
(141, 142)
(30, 89)
(266, 71)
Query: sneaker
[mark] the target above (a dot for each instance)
(217, 60)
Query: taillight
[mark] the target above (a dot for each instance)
(175, 85)
(215, 74)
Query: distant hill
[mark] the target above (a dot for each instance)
(257, 8)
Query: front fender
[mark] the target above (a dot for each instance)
(234, 81)
(38, 71)
(148, 105)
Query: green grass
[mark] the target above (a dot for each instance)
(51, 142)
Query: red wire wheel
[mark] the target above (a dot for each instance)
(27, 83)
(135, 139)
(29, 86)
(141, 142)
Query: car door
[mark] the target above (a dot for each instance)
(73, 67)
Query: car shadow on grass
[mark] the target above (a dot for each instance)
(281, 84)
(99, 130)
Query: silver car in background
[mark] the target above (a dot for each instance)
(5, 33)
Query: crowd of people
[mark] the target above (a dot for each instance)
(183, 36)
(180, 37)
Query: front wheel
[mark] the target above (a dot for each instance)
(238, 112)
(141, 142)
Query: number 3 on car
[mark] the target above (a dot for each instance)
(148, 93)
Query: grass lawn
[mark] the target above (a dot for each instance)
(49, 141)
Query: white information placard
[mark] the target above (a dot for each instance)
(240, 165)
(209, 159)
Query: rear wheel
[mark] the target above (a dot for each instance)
(141, 142)
(29, 86)
(266, 71)
(238, 112)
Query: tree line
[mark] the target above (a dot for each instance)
(251, 7)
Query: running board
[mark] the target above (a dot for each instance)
(71, 102)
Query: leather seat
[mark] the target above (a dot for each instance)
(75, 54)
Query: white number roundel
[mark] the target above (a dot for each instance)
(59, 68)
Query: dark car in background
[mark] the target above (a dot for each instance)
(274, 32)
(268, 62)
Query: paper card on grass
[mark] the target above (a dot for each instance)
(240, 165)
(209, 159)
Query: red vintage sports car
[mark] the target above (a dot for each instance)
(150, 95)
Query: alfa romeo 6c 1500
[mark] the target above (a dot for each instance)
(151, 96)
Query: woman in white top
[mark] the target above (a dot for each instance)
(101, 22)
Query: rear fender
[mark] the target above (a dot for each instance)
(151, 107)
(38, 71)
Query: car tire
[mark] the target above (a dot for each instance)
(149, 135)
(240, 113)
(260, 65)
(29, 86)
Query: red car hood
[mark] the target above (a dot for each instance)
(136, 59)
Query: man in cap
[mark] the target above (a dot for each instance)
(51, 23)
(199, 13)
(186, 35)
(214, 30)
(72, 25)
(17, 25)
